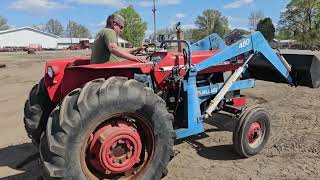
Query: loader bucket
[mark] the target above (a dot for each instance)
(305, 65)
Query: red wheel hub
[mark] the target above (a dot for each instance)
(254, 132)
(115, 148)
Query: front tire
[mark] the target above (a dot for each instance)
(36, 111)
(252, 132)
(108, 129)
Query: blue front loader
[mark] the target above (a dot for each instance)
(253, 45)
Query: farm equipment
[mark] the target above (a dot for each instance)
(120, 120)
(306, 66)
(83, 44)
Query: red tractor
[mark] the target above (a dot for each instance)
(120, 120)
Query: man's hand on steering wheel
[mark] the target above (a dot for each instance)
(141, 59)
(140, 49)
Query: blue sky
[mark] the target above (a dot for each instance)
(93, 13)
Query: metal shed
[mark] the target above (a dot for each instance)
(26, 36)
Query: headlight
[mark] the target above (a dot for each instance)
(50, 72)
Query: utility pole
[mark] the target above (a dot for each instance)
(70, 31)
(154, 22)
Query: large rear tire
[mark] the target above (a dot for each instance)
(36, 111)
(116, 115)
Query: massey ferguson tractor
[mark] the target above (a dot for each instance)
(120, 120)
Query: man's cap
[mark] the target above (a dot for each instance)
(116, 18)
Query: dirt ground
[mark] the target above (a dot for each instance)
(293, 152)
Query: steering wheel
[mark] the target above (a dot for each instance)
(147, 51)
(185, 56)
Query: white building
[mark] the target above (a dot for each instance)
(26, 36)
(123, 43)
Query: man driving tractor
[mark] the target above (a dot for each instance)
(105, 47)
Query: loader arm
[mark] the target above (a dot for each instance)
(254, 43)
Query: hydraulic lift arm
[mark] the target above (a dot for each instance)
(251, 45)
(255, 43)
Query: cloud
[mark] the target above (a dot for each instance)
(189, 26)
(180, 15)
(36, 6)
(150, 31)
(283, 10)
(237, 4)
(117, 3)
(159, 3)
(237, 22)
(237, 19)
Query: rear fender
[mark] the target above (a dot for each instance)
(76, 77)
(75, 73)
(59, 66)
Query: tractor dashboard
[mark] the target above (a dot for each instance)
(157, 57)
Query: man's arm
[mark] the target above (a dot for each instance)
(124, 53)
(133, 50)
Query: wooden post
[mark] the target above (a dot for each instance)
(180, 36)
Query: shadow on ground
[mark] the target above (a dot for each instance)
(221, 122)
(23, 159)
(219, 152)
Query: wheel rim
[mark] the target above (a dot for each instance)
(255, 134)
(115, 148)
(121, 146)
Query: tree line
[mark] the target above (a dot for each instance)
(73, 29)
(301, 21)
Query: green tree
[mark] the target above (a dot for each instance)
(254, 19)
(211, 21)
(266, 27)
(53, 26)
(76, 30)
(301, 21)
(3, 24)
(134, 28)
(283, 34)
